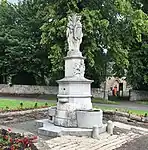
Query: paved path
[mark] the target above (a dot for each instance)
(106, 142)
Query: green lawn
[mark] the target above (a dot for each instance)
(103, 101)
(136, 112)
(14, 104)
(144, 102)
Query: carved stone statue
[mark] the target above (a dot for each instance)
(79, 69)
(74, 33)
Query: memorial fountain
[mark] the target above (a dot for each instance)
(74, 114)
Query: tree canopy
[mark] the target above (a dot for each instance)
(20, 37)
(33, 38)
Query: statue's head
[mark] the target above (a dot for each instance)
(74, 18)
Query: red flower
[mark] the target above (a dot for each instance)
(9, 129)
(25, 140)
(12, 147)
(19, 141)
(35, 137)
(11, 140)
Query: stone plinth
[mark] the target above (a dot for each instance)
(74, 91)
(47, 128)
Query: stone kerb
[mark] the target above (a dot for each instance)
(124, 117)
(21, 116)
(6, 117)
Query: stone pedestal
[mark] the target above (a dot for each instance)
(74, 92)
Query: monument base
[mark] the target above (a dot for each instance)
(47, 128)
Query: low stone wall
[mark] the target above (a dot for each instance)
(36, 91)
(36, 114)
(97, 92)
(28, 90)
(21, 116)
(126, 118)
(136, 95)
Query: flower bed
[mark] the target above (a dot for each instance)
(16, 141)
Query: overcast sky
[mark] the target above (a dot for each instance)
(13, 1)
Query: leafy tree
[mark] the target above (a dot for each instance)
(20, 37)
(117, 25)
(138, 55)
(107, 24)
(7, 22)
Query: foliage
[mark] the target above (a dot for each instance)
(15, 141)
(100, 27)
(20, 37)
(33, 39)
(113, 25)
(138, 55)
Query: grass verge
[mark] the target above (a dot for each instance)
(136, 112)
(144, 102)
(103, 101)
(17, 104)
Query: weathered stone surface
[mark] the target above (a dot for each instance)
(105, 142)
(63, 122)
(35, 91)
(123, 117)
(138, 95)
(87, 119)
(52, 111)
(72, 119)
(134, 117)
(122, 114)
(20, 116)
(95, 132)
(110, 127)
(62, 130)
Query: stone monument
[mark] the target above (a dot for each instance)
(73, 114)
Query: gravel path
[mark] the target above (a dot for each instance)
(29, 126)
(137, 144)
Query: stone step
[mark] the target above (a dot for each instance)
(40, 123)
(49, 129)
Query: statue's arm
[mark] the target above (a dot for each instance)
(67, 32)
